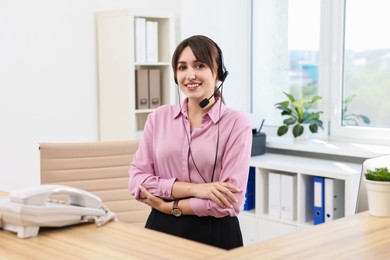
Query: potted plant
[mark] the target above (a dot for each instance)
(378, 191)
(299, 113)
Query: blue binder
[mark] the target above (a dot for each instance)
(319, 201)
(250, 190)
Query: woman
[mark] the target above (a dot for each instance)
(193, 161)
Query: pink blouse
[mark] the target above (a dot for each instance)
(164, 156)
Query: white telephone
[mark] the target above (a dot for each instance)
(25, 211)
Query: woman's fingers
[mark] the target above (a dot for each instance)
(229, 194)
(230, 186)
(223, 194)
(144, 191)
(229, 190)
(150, 199)
(221, 200)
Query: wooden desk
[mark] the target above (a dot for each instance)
(114, 240)
(359, 236)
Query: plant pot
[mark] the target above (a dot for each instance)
(378, 194)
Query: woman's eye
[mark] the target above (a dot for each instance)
(200, 66)
(181, 67)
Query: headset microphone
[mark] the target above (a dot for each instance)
(206, 101)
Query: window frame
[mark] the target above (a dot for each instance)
(332, 38)
(330, 81)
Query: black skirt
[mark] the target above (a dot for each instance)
(219, 232)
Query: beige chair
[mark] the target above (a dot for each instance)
(100, 168)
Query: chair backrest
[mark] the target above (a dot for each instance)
(100, 168)
(372, 163)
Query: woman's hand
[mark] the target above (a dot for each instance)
(154, 201)
(221, 193)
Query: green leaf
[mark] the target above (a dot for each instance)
(365, 119)
(313, 128)
(290, 97)
(297, 130)
(289, 121)
(282, 130)
(349, 98)
(285, 110)
(282, 104)
(379, 174)
(315, 99)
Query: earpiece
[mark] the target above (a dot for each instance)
(222, 72)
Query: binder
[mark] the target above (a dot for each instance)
(318, 209)
(274, 193)
(334, 199)
(250, 190)
(151, 41)
(140, 39)
(288, 197)
(154, 88)
(142, 88)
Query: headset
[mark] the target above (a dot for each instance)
(222, 72)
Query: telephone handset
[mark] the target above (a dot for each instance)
(25, 211)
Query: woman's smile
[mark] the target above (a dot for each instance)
(193, 86)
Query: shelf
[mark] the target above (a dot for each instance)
(143, 111)
(310, 166)
(119, 118)
(350, 149)
(153, 64)
(302, 169)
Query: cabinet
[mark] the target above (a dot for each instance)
(118, 117)
(258, 225)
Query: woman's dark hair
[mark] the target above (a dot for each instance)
(205, 50)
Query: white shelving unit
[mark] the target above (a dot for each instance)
(118, 117)
(257, 225)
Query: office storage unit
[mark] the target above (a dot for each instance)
(118, 60)
(258, 224)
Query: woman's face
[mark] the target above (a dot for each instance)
(195, 78)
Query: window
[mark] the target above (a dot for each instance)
(336, 49)
(286, 38)
(362, 109)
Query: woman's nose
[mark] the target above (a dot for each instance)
(191, 74)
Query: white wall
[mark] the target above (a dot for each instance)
(48, 78)
(228, 23)
(48, 74)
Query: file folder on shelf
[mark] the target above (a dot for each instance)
(142, 88)
(334, 199)
(274, 194)
(154, 88)
(318, 209)
(140, 39)
(250, 190)
(151, 41)
(288, 196)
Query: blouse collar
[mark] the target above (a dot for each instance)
(215, 112)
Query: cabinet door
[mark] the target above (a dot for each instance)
(249, 228)
(268, 229)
